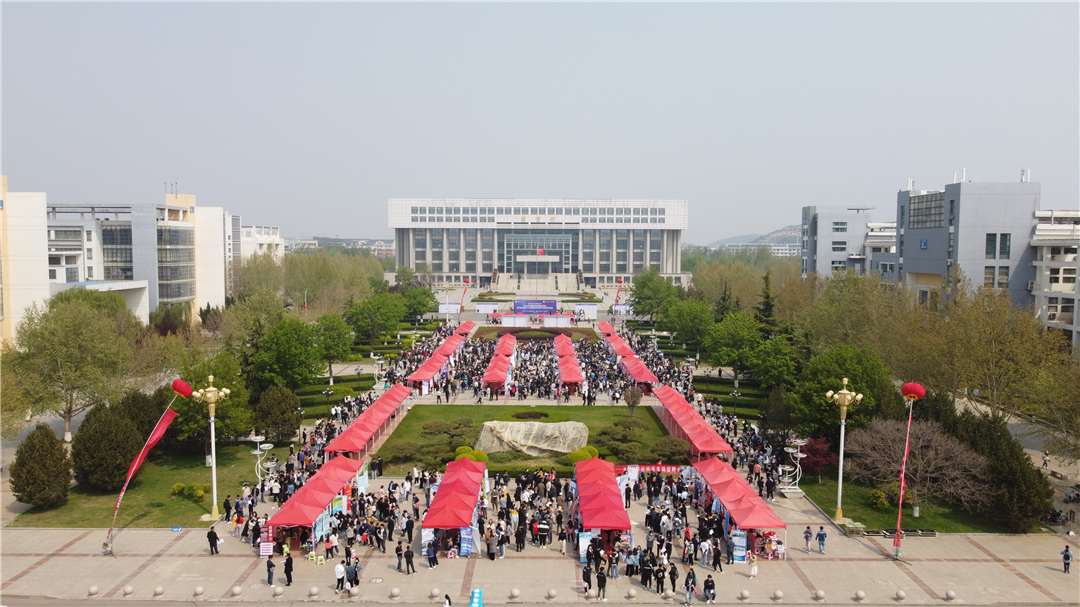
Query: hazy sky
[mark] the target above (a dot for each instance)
(310, 116)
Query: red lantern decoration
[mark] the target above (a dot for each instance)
(181, 388)
(466, 280)
(618, 280)
(913, 391)
(539, 251)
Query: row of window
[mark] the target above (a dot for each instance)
(1002, 274)
(927, 211)
(489, 219)
(1063, 276)
(613, 211)
(998, 246)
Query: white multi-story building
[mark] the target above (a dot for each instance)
(779, 250)
(841, 238)
(599, 240)
(258, 240)
(1056, 292)
(23, 256)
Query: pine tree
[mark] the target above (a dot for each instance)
(104, 447)
(41, 472)
(766, 308)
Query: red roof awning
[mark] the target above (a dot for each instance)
(429, 369)
(450, 346)
(357, 435)
(638, 370)
(465, 327)
(605, 328)
(619, 346)
(457, 495)
(747, 509)
(598, 496)
(701, 435)
(497, 369)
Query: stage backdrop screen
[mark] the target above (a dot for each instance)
(535, 306)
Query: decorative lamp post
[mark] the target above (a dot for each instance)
(844, 398)
(327, 392)
(912, 392)
(211, 396)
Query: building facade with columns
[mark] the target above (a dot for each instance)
(594, 241)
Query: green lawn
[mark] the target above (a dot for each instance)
(595, 418)
(943, 519)
(149, 501)
(575, 333)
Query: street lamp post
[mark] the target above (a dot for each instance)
(327, 392)
(844, 398)
(211, 396)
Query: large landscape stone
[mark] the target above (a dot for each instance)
(535, 438)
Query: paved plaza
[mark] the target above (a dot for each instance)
(980, 569)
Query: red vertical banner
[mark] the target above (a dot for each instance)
(155, 436)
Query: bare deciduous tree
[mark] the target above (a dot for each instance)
(939, 467)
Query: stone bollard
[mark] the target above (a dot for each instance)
(900, 595)
(950, 595)
(236, 590)
(395, 593)
(778, 596)
(354, 591)
(128, 590)
(515, 594)
(631, 594)
(669, 594)
(860, 596)
(278, 591)
(313, 592)
(744, 595)
(92, 591)
(198, 592)
(158, 591)
(819, 595)
(590, 593)
(434, 594)
(551, 594)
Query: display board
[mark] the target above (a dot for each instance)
(466, 542)
(585, 310)
(535, 306)
(739, 537)
(449, 308)
(583, 540)
(623, 310)
(487, 308)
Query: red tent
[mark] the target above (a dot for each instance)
(569, 371)
(744, 505)
(450, 346)
(505, 346)
(429, 369)
(311, 500)
(682, 420)
(619, 346)
(370, 422)
(605, 328)
(457, 495)
(465, 327)
(599, 500)
(497, 369)
(564, 348)
(638, 370)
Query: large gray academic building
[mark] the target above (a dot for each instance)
(598, 241)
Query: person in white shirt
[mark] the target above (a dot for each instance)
(339, 573)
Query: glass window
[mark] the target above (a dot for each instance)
(927, 211)
(839, 246)
(421, 255)
(839, 226)
(611, 211)
(415, 210)
(988, 276)
(89, 236)
(1003, 277)
(1005, 247)
(652, 211)
(605, 255)
(52, 274)
(89, 254)
(71, 274)
(517, 210)
(991, 246)
(535, 211)
(438, 210)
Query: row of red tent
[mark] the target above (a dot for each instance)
(599, 499)
(569, 367)
(311, 500)
(743, 504)
(371, 421)
(456, 496)
(703, 437)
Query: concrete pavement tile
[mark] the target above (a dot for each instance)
(70, 576)
(10, 566)
(40, 541)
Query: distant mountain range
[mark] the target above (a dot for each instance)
(788, 235)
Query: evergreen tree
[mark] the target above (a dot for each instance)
(41, 472)
(725, 304)
(104, 447)
(765, 311)
(277, 414)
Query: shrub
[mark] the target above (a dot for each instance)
(400, 452)
(41, 472)
(179, 489)
(530, 415)
(671, 448)
(104, 447)
(208, 488)
(506, 457)
(580, 455)
(478, 456)
(631, 424)
(462, 450)
(198, 495)
(878, 499)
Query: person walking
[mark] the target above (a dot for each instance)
(821, 540)
(808, 535)
(709, 587)
(288, 569)
(586, 578)
(751, 559)
(688, 585)
(212, 537)
(1066, 558)
(660, 575)
(270, 571)
(339, 573)
(730, 551)
(409, 566)
(601, 585)
(399, 551)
